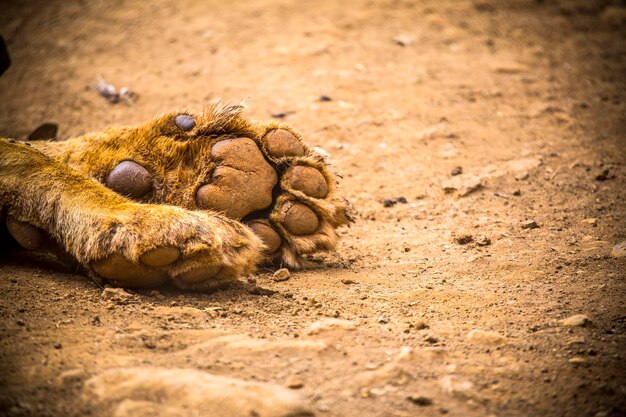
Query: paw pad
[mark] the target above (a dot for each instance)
(161, 256)
(121, 271)
(130, 180)
(308, 180)
(270, 237)
(299, 219)
(200, 274)
(241, 183)
(185, 122)
(27, 235)
(281, 143)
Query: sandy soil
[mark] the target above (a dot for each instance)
(528, 97)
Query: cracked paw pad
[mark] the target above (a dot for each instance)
(298, 219)
(241, 183)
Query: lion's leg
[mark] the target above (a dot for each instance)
(261, 174)
(130, 244)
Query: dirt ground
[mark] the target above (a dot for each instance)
(449, 302)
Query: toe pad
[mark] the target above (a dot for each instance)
(281, 143)
(299, 219)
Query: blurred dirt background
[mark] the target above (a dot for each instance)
(449, 296)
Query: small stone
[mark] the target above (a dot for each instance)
(517, 193)
(530, 224)
(522, 176)
(482, 240)
(469, 186)
(156, 294)
(619, 250)
(390, 202)
(605, 175)
(420, 325)
(577, 320)
(330, 324)
(70, 377)
(294, 383)
(325, 98)
(577, 360)
(592, 221)
(456, 171)
(403, 40)
(57, 345)
(383, 320)
(280, 115)
(116, 295)
(420, 400)
(485, 337)
(463, 239)
(431, 338)
(348, 281)
(281, 275)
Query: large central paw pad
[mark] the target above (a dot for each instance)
(241, 183)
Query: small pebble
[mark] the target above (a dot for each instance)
(482, 240)
(348, 281)
(485, 337)
(420, 325)
(530, 224)
(420, 400)
(521, 177)
(57, 345)
(592, 221)
(325, 98)
(463, 239)
(577, 320)
(403, 40)
(281, 275)
(390, 202)
(619, 250)
(294, 383)
(431, 338)
(116, 295)
(605, 175)
(456, 171)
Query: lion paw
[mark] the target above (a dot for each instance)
(260, 174)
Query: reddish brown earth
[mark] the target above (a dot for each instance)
(528, 97)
